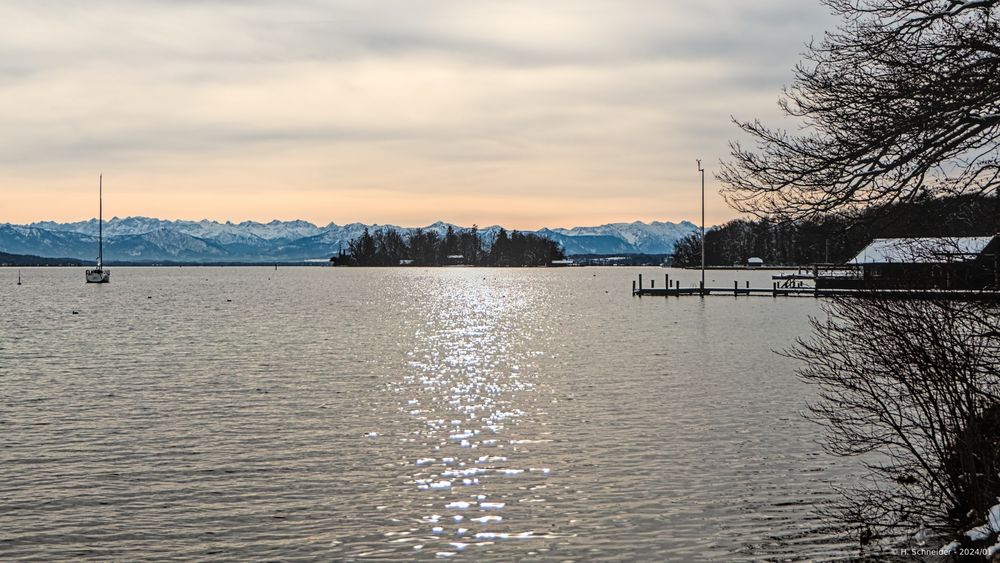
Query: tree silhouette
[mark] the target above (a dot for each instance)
(362, 249)
(837, 238)
(918, 383)
(903, 99)
(900, 103)
(500, 250)
(424, 248)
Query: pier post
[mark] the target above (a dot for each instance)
(748, 284)
(640, 284)
(652, 284)
(666, 281)
(633, 287)
(774, 289)
(701, 287)
(736, 287)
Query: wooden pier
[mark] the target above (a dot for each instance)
(674, 289)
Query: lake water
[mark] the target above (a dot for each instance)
(397, 414)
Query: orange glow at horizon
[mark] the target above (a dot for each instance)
(371, 207)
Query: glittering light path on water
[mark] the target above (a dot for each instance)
(470, 392)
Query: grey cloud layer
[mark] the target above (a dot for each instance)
(522, 33)
(443, 80)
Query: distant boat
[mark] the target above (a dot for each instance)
(99, 274)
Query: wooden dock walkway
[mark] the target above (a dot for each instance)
(767, 291)
(776, 290)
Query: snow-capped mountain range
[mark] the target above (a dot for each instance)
(144, 239)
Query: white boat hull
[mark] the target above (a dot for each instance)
(98, 276)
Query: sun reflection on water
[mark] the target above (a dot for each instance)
(469, 389)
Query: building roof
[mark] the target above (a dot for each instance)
(921, 250)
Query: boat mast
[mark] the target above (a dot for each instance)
(100, 221)
(702, 171)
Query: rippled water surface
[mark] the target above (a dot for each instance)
(337, 414)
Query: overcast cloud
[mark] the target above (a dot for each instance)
(526, 113)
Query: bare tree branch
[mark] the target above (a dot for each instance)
(918, 384)
(903, 99)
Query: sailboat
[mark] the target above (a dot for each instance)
(99, 274)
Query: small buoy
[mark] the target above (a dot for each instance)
(76, 312)
(149, 297)
(229, 300)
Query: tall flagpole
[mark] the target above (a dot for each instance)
(702, 170)
(100, 222)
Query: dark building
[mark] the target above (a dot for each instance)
(959, 263)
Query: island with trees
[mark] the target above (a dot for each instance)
(465, 247)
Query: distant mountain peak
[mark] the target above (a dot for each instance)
(149, 239)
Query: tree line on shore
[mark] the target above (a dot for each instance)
(836, 238)
(389, 247)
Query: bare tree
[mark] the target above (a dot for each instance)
(900, 102)
(915, 387)
(901, 99)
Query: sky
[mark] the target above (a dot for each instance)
(532, 113)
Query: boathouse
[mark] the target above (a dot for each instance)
(950, 263)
